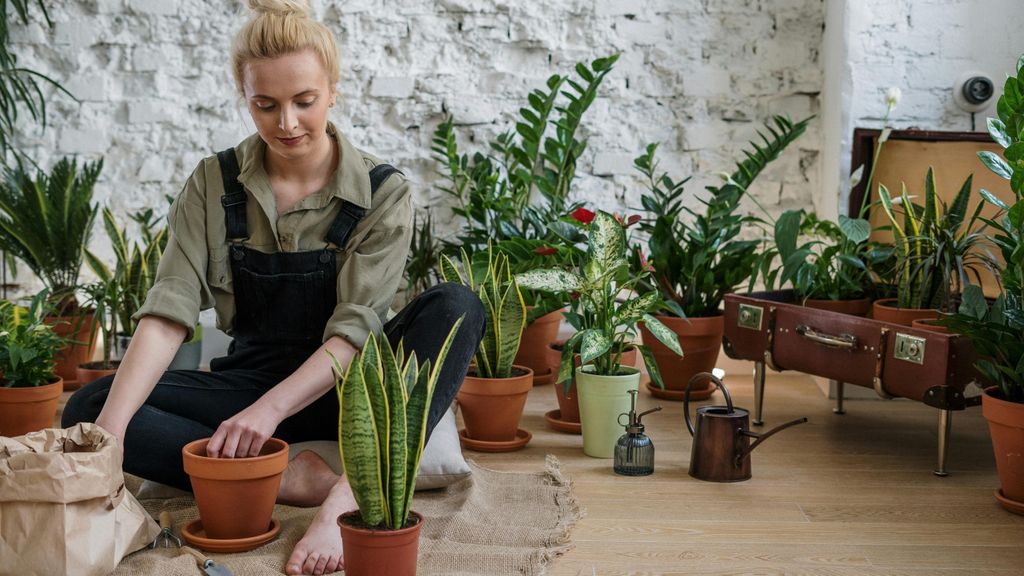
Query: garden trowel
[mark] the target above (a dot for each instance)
(209, 567)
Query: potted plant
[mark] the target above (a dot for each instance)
(699, 257)
(46, 222)
(103, 296)
(605, 327)
(937, 250)
(385, 399)
(493, 394)
(29, 387)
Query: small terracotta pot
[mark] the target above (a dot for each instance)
(569, 404)
(491, 407)
(886, 311)
(1006, 425)
(929, 324)
(377, 552)
(534, 345)
(235, 496)
(24, 410)
(701, 340)
(92, 371)
(858, 307)
(82, 330)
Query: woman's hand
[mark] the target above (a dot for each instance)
(244, 434)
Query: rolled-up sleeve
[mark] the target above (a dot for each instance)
(370, 276)
(180, 289)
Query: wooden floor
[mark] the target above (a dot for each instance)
(840, 495)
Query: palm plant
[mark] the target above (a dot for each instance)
(489, 275)
(46, 222)
(385, 399)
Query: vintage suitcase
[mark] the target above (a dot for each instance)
(894, 360)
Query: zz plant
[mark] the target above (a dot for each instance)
(489, 275)
(385, 400)
(605, 326)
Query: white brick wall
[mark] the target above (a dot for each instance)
(697, 75)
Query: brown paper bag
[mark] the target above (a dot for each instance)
(64, 508)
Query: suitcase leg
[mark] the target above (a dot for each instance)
(945, 424)
(839, 397)
(759, 376)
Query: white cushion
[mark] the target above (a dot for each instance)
(442, 463)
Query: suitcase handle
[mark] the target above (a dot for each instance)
(845, 341)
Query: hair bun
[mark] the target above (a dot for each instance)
(280, 7)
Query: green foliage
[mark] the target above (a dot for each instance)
(20, 87)
(27, 344)
(937, 246)
(605, 327)
(424, 251)
(385, 400)
(46, 221)
(699, 257)
(488, 275)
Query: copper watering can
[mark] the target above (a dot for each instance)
(721, 439)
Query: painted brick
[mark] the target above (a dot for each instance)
(392, 87)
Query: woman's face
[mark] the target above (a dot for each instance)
(288, 98)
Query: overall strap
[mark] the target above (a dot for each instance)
(233, 199)
(350, 214)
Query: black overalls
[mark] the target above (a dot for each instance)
(283, 301)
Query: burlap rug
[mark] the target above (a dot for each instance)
(489, 524)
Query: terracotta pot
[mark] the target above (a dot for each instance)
(1006, 425)
(82, 330)
(858, 307)
(886, 311)
(568, 403)
(235, 496)
(533, 349)
(92, 371)
(375, 552)
(929, 324)
(701, 339)
(491, 407)
(24, 410)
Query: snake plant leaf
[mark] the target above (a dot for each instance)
(115, 235)
(593, 343)
(550, 280)
(652, 365)
(449, 272)
(511, 322)
(636, 308)
(663, 334)
(97, 266)
(887, 206)
(607, 243)
(856, 230)
(931, 211)
(373, 380)
(360, 445)
(958, 209)
(397, 447)
(488, 344)
(996, 164)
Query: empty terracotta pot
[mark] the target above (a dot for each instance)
(491, 407)
(89, 373)
(24, 410)
(534, 345)
(377, 552)
(235, 496)
(569, 403)
(886, 311)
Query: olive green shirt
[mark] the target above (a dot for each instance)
(195, 271)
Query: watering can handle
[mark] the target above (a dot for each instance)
(686, 399)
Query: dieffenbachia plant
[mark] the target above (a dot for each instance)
(488, 274)
(605, 327)
(385, 399)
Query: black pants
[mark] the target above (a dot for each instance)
(187, 405)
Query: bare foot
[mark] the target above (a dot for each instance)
(319, 551)
(307, 481)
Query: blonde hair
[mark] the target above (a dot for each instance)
(281, 27)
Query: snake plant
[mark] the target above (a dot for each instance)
(385, 399)
(489, 275)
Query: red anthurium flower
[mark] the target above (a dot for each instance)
(632, 220)
(544, 250)
(583, 216)
(574, 296)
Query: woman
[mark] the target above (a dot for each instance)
(298, 240)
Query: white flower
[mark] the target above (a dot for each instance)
(892, 97)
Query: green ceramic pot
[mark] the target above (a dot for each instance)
(602, 399)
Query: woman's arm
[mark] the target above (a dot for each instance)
(244, 433)
(150, 352)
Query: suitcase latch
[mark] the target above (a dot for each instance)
(909, 348)
(750, 317)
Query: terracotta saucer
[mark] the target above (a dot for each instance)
(522, 438)
(679, 395)
(554, 419)
(193, 534)
(545, 378)
(72, 385)
(1011, 505)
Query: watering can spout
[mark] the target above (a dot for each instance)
(762, 436)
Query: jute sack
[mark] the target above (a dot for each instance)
(64, 508)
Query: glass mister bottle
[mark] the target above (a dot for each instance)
(634, 451)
